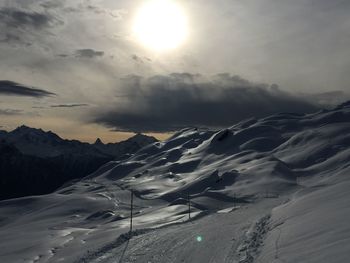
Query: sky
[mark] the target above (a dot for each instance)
(77, 68)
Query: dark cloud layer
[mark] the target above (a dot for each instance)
(8, 87)
(14, 18)
(20, 26)
(88, 53)
(167, 103)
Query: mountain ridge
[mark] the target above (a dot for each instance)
(51, 161)
(37, 142)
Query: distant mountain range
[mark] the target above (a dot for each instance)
(33, 161)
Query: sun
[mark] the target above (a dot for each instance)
(161, 25)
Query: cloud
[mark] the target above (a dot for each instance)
(139, 59)
(83, 53)
(88, 53)
(11, 112)
(166, 103)
(8, 87)
(73, 105)
(38, 107)
(118, 14)
(17, 112)
(52, 4)
(20, 26)
(14, 18)
(63, 55)
(327, 99)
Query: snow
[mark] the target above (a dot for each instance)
(314, 225)
(36, 142)
(268, 190)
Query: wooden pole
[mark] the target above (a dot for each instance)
(131, 208)
(234, 200)
(189, 206)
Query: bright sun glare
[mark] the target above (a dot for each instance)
(161, 25)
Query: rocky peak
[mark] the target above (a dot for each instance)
(98, 142)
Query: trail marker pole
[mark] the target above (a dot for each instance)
(131, 208)
(234, 200)
(189, 206)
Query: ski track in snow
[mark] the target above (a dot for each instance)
(248, 250)
(277, 257)
(163, 244)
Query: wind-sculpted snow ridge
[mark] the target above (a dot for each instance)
(292, 166)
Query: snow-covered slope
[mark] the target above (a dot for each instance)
(268, 190)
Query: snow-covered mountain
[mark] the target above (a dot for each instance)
(269, 190)
(36, 142)
(121, 149)
(33, 161)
